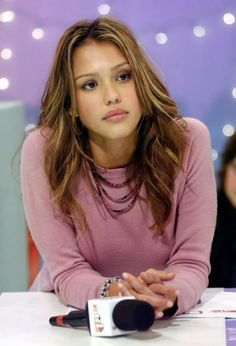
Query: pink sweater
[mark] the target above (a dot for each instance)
(76, 265)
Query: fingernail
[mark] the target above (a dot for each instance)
(169, 304)
(177, 292)
(125, 275)
(159, 314)
(170, 274)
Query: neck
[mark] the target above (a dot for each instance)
(113, 153)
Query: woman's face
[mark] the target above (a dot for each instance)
(230, 182)
(107, 102)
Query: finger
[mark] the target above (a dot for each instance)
(153, 275)
(149, 278)
(158, 313)
(168, 292)
(141, 280)
(156, 301)
(124, 289)
(137, 285)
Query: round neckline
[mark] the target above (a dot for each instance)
(117, 172)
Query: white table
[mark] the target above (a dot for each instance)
(24, 322)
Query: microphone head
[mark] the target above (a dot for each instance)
(132, 314)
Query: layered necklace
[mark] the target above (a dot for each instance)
(113, 204)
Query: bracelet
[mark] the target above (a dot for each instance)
(106, 285)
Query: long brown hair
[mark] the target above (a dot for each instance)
(159, 153)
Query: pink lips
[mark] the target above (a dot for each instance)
(115, 114)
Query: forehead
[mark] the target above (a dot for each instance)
(96, 54)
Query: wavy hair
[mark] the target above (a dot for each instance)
(161, 140)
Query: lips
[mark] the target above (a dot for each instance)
(114, 113)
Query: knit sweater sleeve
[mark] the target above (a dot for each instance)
(54, 237)
(196, 215)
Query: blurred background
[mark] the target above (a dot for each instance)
(192, 44)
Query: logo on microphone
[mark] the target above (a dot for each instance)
(99, 326)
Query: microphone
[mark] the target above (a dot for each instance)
(109, 316)
(75, 318)
(131, 314)
(118, 315)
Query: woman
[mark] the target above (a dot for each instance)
(118, 189)
(223, 254)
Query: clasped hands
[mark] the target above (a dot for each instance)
(149, 286)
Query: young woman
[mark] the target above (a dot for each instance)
(118, 189)
(223, 254)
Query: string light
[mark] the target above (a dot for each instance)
(7, 16)
(214, 154)
(6, 53)
(228, 130)
(234, 93)
(161, 38)
(4, 83)
(229, 18)
(29, 127)
(38, 33)
(199, 31)
(104, 9)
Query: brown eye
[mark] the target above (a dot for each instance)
(89, 85)
(124, 76)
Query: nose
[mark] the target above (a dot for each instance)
(111, 95)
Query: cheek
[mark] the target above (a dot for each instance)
(131, 95)
(85, 107)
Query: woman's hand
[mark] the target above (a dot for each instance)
(149, 287)
(154, 280)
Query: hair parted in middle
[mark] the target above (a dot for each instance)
(161, 139)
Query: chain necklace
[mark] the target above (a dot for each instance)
(105, 197)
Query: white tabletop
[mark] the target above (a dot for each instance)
(24, 322)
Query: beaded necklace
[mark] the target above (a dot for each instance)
(130, 197)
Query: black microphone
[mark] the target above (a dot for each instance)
(131, 314)
(75, 318)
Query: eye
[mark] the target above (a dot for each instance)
(124, 76)
(89, 85)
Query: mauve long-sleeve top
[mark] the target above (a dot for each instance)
(76, 264)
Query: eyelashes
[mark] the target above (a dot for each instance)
(127, 75)
(121, 77)
(89, 85)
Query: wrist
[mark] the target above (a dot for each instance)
(113, 290)
(110, 288)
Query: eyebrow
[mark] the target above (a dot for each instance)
(94, 74)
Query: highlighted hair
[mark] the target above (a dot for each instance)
(161, 141)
